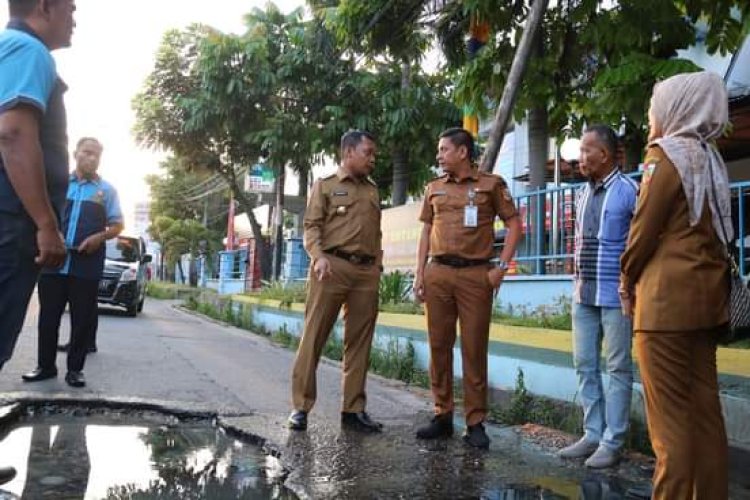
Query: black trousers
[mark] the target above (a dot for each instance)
(18, 275)
(55, 291)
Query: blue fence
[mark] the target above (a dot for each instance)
(548, 217)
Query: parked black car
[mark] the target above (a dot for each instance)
(124, 278)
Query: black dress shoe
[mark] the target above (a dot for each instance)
(360, 422)
(7, 474)
(297, 421)
(92, 349)
(439, 426)
(63, 347)
(75, 379)
(39, 374)
(476, 437)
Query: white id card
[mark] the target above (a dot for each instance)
(470, 216)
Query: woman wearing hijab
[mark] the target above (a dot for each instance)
(675, 273)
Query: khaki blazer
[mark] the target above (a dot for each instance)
(680, 273)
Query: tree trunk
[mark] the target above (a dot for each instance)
(261, 245)
(193, 272)
(400, 186)
(634, 145)
(400, 177)
(278, 244)
(513, 84)
(538, 135)
(304, 181)
(179, 268)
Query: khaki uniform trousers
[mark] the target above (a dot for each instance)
(463, 294)
(356, 288)
(685, 423)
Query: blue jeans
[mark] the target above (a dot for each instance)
(605, 416)
(18, 275)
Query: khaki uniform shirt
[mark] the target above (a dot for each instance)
(343, 213)
(680, 272)
(444, 205)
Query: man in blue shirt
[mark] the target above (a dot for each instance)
(604, 209)
(92, 216)
(33, 157)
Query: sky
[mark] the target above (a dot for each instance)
(113, 51)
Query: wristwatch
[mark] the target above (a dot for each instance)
(500, 264)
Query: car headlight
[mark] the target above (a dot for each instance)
(129, 275)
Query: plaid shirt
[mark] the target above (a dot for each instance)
(604, 211)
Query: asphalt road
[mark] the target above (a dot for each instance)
(174, 359)
(168, 356)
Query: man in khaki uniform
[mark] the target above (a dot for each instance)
(459, 282)
(343, 238)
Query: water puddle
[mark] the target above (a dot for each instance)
(81, 454)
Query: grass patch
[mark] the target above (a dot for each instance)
(170, 291)
(740, 344)
(556, 317)
(402, 308)
(283, 338)
(396, 361)
(287, 295)
(524, 408)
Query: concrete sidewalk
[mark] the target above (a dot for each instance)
(174, 360)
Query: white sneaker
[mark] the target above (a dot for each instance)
(603, 458)
(580, 449)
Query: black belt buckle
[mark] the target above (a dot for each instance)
(359, 260)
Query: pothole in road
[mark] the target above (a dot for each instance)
(78, 453)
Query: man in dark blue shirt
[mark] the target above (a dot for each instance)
(92, 216)
(33, 157)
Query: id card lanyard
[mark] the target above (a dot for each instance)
(471, 214)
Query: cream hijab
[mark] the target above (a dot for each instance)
(691, 111)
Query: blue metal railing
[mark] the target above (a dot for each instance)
(547, 246)
(549, 236)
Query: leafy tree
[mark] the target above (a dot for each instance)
(220, 101)
(413, 107)
(179, 237)
(595, 63)
(181, 193)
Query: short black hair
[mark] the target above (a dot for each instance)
(607, 136)
(460, 137)
(352, 138)
(21, 8)
(88, 139)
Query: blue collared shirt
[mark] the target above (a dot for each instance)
(604, 211)
(92, 206)
(28, 77)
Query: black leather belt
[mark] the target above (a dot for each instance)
(454, 261)
(354, 258)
